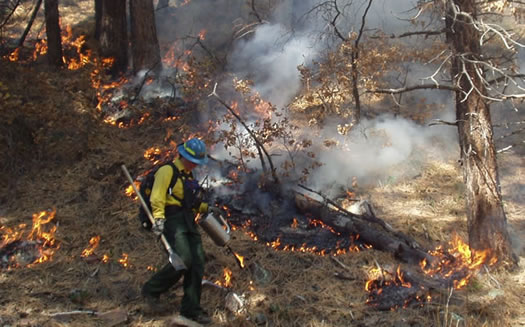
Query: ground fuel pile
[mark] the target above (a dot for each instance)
(268, 213)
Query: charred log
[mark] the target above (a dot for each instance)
(344, 222)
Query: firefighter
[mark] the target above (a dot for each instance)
(174, 214)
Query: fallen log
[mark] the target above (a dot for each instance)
(345, 222)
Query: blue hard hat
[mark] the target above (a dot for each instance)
(194, 150)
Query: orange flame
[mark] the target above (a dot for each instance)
(130, 192)
(93, 244)
(40, 49)
(13, 56)
(124, 260)
(458, 262)
(227, 274)
(240, 259)
(44, 237)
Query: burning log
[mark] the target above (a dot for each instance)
(384, 239)
(285, 221)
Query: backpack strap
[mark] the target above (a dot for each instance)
(176, 174)
(174, 178)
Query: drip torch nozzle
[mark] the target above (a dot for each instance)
(238, 258)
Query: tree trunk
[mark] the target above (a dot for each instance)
(487, 223)
(98, 18)
(54, 42)
(113, 34)
(145, 48)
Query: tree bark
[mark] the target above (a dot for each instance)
(487, 222)
(54, 41)
(113, 34)
(145, 48)
(98, 18)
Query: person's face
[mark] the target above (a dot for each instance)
(188, 165)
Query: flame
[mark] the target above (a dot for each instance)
(13, 56)
(319, 223)
(130, 192)
(105, 258)
(198, 217)
(103, 96)
(458, 262)
(77, 44)
(93, 244)
(381, 281)
(171, 60)
(124, 260)
(40, 49)
(240, 259)
(227, 210)
(43, 237)
(294, 223)
(152, 153)
(227, 274)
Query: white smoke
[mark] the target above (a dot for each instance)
(381, 150)
(270, 58)
(372, 150)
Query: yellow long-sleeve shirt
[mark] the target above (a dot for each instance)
(159, 194)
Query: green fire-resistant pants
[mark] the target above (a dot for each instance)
(186, 242)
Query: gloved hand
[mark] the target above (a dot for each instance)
(215, 211)
(158, 226)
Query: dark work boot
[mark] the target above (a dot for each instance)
(202, 318)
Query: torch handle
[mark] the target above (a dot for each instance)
(174, 258)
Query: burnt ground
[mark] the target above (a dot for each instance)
(60, 155)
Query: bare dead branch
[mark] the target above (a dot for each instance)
(252, 134)
(442, 122)
(334, 21)
(12, 10)
(30, 23)
(416, 87)
(255, 13)
(426, 33)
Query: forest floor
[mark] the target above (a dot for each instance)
(59, 155)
